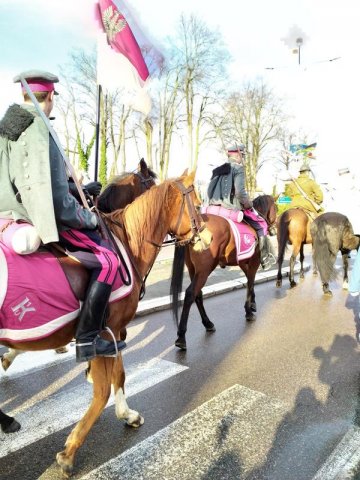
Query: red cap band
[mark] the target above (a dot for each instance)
(39, 86)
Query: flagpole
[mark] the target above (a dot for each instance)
(97, 132)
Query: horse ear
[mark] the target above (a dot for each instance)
(143, 167)
(185, 172)
(189, 180)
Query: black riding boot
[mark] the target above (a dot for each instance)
(267, 258)
(88, 342)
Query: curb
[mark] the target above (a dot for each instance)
(164, 303)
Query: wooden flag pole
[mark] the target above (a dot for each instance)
(97, 132)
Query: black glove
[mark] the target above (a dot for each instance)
(93, 188)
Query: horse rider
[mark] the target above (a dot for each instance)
(305, 193)
(227, 188)
(34, 188)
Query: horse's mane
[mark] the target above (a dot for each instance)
(109, 198)
(262, 202)
(145, 215)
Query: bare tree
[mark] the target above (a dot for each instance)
(201, 58)
(254, 116)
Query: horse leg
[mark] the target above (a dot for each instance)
(250, 303)
(315, 269)
(8, 357)
(8, 424)
(132, 417)
(101, 372)
(302, 256)
(291, 270)
(191, 293)
(208, 324)
(345, 260)
(326, 278)
(180, 342)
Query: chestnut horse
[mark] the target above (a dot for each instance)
(222, 252)
(293, 227)
(332, 232)
(121, 191)
(168, 208)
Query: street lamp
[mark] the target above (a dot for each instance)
(295, 39)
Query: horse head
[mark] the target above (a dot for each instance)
(190, 225)
(266, 206)
(123, 189)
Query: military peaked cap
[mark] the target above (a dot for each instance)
(38, 80)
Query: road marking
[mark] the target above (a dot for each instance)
(227, 437)
(345, 459)
(65, 408)
(30, 362)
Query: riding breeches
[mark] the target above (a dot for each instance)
(252, 218)
(93, 252)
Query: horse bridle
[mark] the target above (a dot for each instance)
(197, 225)
(145, 182)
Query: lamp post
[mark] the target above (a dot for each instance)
(295, 39)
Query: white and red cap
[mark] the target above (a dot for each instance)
(236, 148)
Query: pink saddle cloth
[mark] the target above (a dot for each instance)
(245, 238)
(36, 298)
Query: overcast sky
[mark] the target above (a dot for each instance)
(323, 96)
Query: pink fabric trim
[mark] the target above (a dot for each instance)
(253, 214)
(108, 260)
(235, 215)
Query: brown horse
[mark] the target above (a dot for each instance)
(332, 232)
(222, 252)
(121, 191)
(293, 227)
(168, 208)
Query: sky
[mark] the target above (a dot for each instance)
(323, 96)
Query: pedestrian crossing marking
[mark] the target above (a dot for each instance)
(50, 415)
(201, 444)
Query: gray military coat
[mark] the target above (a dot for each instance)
(33, 181)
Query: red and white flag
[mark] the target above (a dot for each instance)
(120, 64)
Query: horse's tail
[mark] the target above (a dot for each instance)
(283, 236)
(177, 280)
(322, 255)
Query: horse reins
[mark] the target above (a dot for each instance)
(197, 225)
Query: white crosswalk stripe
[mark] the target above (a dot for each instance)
(49, 415)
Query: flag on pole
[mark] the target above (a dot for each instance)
(120, 64)
(303, 149)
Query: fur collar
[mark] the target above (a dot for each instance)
(15, 121)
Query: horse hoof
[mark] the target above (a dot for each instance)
(278, 283)
(253, 307)
(250, 318)
(12, 428)
(135, 422)
(293, 284)
(67, 468)
(62, 349)
(209, 326)
(315, 274)
(302, 276)
(5, 362)
(328, 293)
(181, 344)
(345, 286)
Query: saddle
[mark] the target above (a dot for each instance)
(244, 236)
(42, 292)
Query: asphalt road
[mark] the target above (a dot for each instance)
(267, 400)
